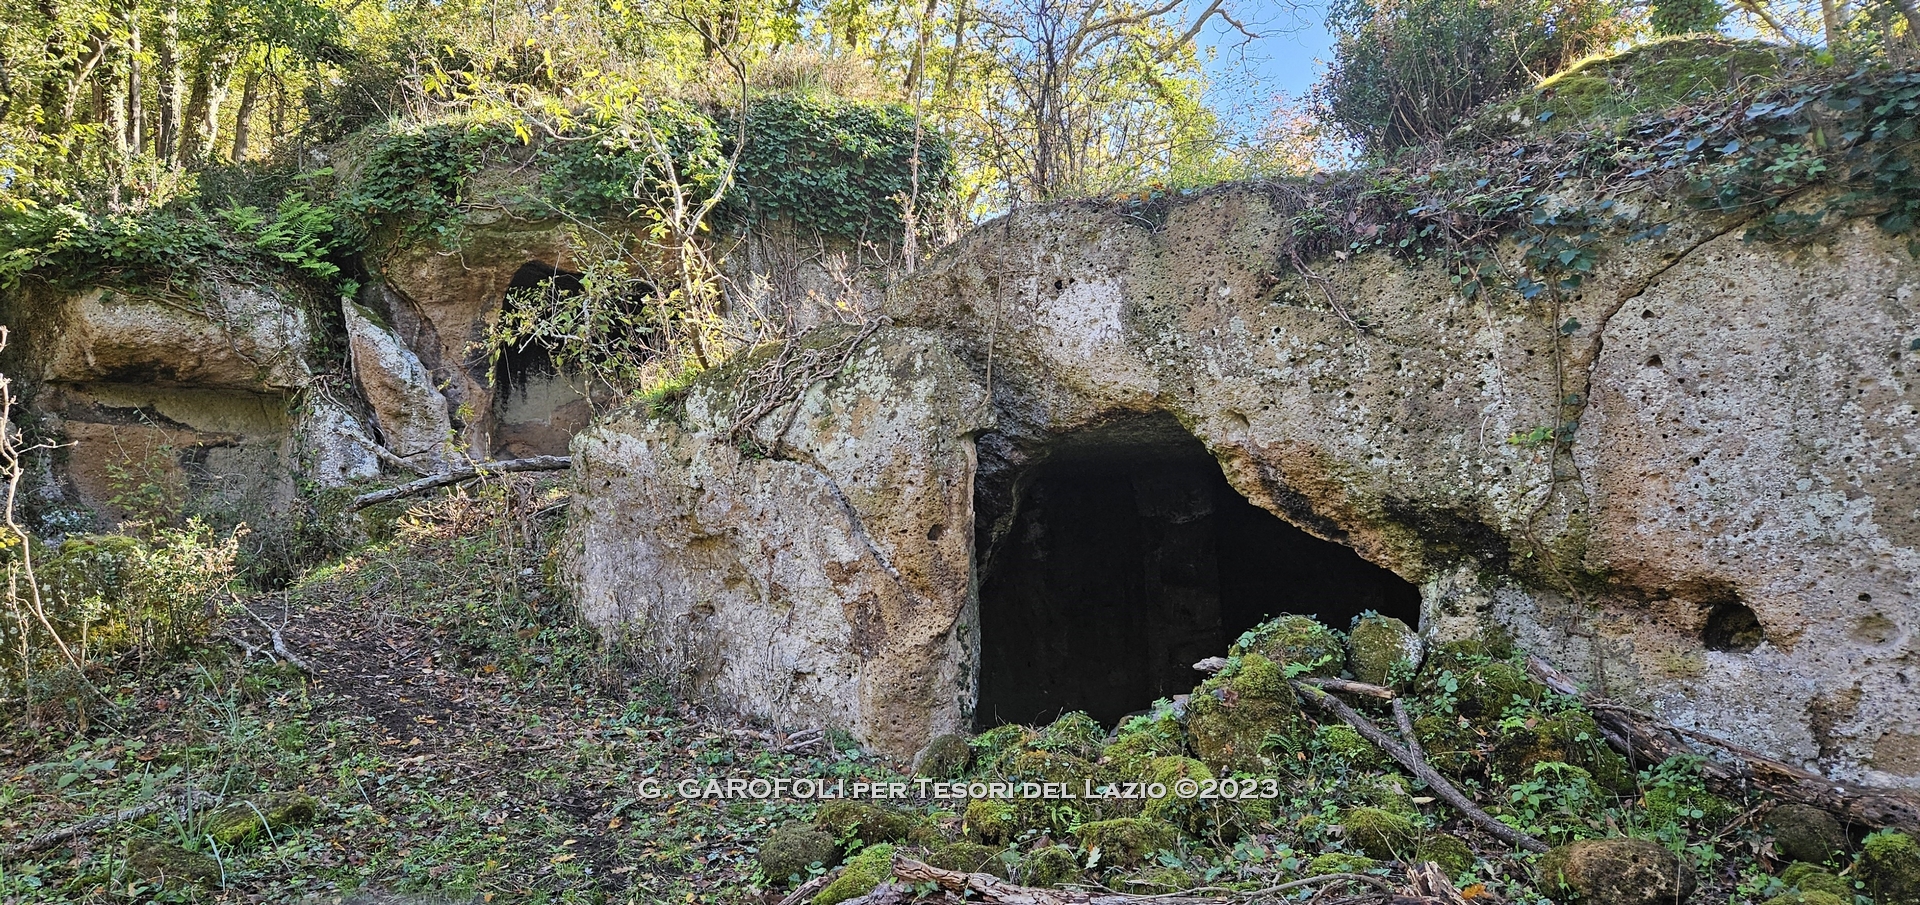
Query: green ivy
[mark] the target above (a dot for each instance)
(842, 168)
(412, 183)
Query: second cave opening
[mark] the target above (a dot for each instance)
(1126, 558)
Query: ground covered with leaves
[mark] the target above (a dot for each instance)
(459, 735)
(450, 731)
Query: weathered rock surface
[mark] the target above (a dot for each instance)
(1615, 872)
(816, 582)
(1737, 519)
(411, 413)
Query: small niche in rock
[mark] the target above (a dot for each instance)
(1125, 558)
(1732, 626)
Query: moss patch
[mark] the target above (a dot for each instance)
(1890, 865)
(946, 757)
(1382, 649)
(1050, 866)
(972, 858)
(1230, 716)
(1380, 833)
(1128, 840)
(861, 823)
(1300, 640)
(791, 851)
(246, 822)
(868, 869)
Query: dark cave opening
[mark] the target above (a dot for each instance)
(1126, 558)
(515, 364)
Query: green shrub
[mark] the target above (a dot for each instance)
(836, 166)
(109, 596)
(1407, 71)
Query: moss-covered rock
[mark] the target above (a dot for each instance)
(1814, 878)
(1230, 716)
(1463, 654)
(990, 821)
(1484, 692)
(1806, 833)
(245, 822)
(946, 757)
(1075, 734)
(1570, 737)
(1809, 897)
(1614, 872)
(868, 869)
(1890, 866)
(860, 823)
(1128, 840)
(1339, 863)
(991, 745)
(1155, 881)
(1451, 743)
(1381, 833)
(1382, 648)
(1615, 86)
(1301, 640)
(1451, 852)
(1050, 866)
(972, 858)
(1190, 814)
(170, 865)
(790, 852)
(1125, 759)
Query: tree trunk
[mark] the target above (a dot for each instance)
(136, 140)
(243, 118)
(212, 74)
(167, 145)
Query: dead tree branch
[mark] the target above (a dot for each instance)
(1405, 757)
(989, 888)
(1735, 771)
(458, 475)
(188, 800)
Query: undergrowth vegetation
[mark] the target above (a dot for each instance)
(460, 733)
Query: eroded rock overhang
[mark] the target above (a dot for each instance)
(1730, 538)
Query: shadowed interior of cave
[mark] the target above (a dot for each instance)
(1126, 557)
(534, 283)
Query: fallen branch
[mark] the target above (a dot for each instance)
(1405, 757)
(804, 892)
(1649, 740)
(1348, 686)
(457, 475)
(278, 641)
(188, 800)
(989, 888)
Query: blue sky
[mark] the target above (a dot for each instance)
(1283, 58)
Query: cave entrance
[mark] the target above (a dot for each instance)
(1126, 557)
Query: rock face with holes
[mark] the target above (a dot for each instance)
(806, 568)
(1730, 538)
